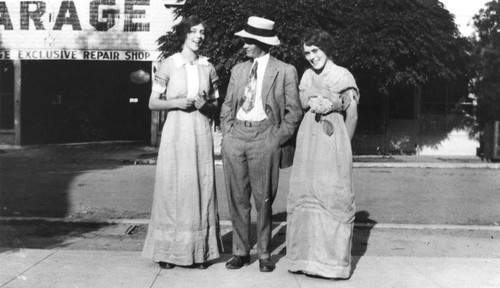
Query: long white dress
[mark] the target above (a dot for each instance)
(184, 225)
(320, 203)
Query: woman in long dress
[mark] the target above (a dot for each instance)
(320, 203)
(184, 225)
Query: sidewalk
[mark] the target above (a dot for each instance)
(383, 257)
(109, 269)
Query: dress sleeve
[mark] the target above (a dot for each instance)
(347, 97)
(161, 77)
(350, 92)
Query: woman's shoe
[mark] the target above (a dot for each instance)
(165, 265)
(202, 266)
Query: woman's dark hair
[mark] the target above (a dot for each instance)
(181, 29)
(321, 39)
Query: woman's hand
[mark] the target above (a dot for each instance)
(311, 97)
(335, 98)
(305, 99)
(201, 100)
(183, 103)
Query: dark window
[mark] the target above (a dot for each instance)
(6, 95)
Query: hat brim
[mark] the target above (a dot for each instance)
(273, 41)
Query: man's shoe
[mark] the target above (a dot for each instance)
(165, 265)
(265, 265)
(236, 262)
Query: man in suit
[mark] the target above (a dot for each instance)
(259, 116)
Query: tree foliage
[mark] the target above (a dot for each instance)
(487, 55)
(383, 42)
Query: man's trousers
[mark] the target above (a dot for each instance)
(251, 155)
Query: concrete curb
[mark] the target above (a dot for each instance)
(415, 165)
(428, 165)
(10, 147)
(373, 160)
(227, 223)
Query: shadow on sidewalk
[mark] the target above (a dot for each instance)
(360, 237)
(360, 240)
(278, 242)
(37, 181)
(277, 245)
(36, 234)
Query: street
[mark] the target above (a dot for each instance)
(103, 183)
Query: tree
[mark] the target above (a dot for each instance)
(384, 42)
(487, 56)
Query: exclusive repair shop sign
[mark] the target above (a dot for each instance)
(83, 29)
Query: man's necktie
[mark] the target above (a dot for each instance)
(250, 89)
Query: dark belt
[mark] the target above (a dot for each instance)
(251, 123)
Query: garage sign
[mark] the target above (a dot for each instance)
(83, 29)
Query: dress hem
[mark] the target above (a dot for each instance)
(319, 269)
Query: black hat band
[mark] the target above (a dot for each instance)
(259, 32)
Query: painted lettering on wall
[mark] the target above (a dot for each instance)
(78, 55)
(32, 10)
(102, 15)
(49, 28)
(133, 16)
(5, 17)
(67, 16)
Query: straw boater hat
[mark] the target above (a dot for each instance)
(260, 29)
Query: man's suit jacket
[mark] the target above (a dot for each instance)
(280, 97)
